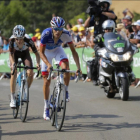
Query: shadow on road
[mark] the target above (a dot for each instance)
(131, 98)
(90, 126)
(28, 132)
(79, 116)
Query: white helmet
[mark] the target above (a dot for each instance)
(109, 24)
(108, 1)
(19, 31)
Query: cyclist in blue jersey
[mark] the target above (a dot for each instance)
(51, 40)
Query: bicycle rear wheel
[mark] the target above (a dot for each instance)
(24, 101)
(15, 110)
(60, 108)
(52, 106)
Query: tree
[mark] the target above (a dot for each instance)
(12, 15)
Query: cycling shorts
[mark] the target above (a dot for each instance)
(58, 54)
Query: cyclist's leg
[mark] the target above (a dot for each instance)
(62, 59)
(27, 61)
(46, 83)
(13, 84)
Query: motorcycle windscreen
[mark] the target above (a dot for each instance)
(116, 43)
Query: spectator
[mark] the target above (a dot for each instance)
(38, 42)
(129, 31)
(31, 35)
(89, 38)
(82, 34)
(125, 13)
(79, 22)
(53, 15)
(120, 26)
(6, 45)
(75, 35)
(37, 30)
(121, 29)
(136, 34)
(127, 20)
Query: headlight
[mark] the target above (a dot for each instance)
(119, 58)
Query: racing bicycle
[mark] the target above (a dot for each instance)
(57, 99)
(22, 91)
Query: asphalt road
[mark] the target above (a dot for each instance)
(89, 115)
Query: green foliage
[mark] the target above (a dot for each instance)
(37, 14)
(136, 16)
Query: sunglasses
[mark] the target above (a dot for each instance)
(58, 29)
(19, 38)
(108, 29)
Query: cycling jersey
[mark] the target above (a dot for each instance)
(48, 41)
(27, 43)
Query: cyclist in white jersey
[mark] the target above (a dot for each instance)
(51, 40)
(19, 48)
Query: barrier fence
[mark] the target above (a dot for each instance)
(87, 55)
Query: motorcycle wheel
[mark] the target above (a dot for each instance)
(124, 89)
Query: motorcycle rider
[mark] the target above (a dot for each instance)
(107, 26)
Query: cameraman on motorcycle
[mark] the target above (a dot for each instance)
(107, 26)
(99, 12)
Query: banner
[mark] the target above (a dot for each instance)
(87, 55)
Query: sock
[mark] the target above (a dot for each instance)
(66, 87)
(12, 96)
(46, 104)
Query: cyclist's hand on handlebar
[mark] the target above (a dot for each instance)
(78, 72)
(49, 68)
(13, 65)
(38, 67)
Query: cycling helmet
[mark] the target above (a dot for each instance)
(109, 24)
(19, 31)
(57, 22)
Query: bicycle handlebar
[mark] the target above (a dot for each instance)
(64, 70)
(25, 67)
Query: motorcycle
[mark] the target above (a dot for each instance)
(115, 74)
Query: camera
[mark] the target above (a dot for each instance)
(94, 8)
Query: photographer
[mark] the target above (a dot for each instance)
(99, 12)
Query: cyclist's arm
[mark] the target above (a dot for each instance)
(37, 58)
(75, 55)
(11, 50)
(43, 56)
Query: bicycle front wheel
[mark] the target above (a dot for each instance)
(15, 110)
(24, 101)
(60, 108)
(52, 106)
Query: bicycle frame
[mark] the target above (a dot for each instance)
(20, 78)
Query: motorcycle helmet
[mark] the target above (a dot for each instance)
(108, 24)
(19, 31)
(57, 22)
